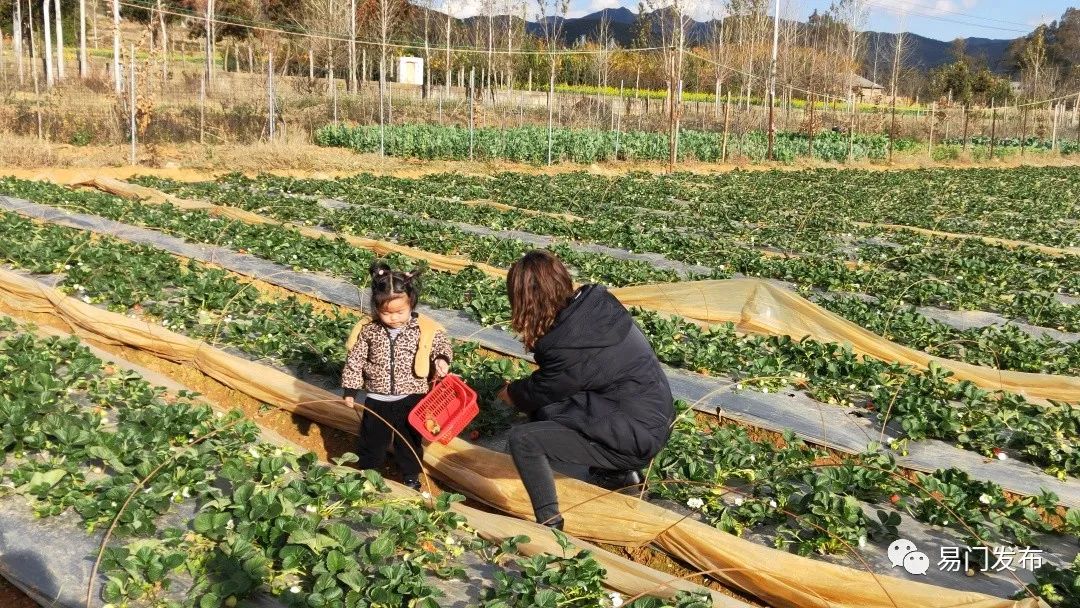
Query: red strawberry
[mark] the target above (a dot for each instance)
(895, 498)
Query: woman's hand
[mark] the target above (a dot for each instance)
(504, 395)
(442, 367)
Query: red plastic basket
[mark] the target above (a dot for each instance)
(451, 404)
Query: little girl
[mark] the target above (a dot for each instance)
(393, 359)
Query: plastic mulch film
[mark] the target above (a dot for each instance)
(778, 577)
(820, 424)
(436, 261)
(504, 207)
(757, 306)
(753, 305)
(991, 240)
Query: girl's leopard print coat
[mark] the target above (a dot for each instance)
(370, 368)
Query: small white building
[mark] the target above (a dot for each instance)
(411, 70)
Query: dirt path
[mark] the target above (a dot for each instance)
(29, 158)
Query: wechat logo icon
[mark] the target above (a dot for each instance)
(904, 554)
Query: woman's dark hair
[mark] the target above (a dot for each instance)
(539, 287)
(388, 284)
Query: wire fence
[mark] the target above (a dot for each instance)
(250, 101)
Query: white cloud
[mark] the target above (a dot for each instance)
(592, 6)
(926, 8)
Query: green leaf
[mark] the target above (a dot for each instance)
(47, 479)
(316, 542)
(354, 579)
(381, 548)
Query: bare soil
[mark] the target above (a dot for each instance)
(12, 597)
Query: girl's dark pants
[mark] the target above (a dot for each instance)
(376, 436)
(535, 445)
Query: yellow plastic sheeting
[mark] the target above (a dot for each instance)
(778, 577)
(992, 240)
(437, 261)
(757, 306)
(781, 578)
(86, 321)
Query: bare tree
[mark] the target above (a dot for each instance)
(852, 14)
(603, 49)
(425, 5)
(59, 41)
(449, 37)
(118, 81)
(674, 18)
(211, 28)
(164, 41)
(50, 76)
(1033, 60)
(17, 35)
(717, 51)
(387, 17)
(84, 65)
(552, 19)
(489, 11)
(352, 80)
(897, 64)
(772, 81)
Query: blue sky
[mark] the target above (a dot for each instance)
(941, 19)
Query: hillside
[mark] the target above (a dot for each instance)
(925, 53)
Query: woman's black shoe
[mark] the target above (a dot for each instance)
(556, 523)
(629, 481)
(411, 482)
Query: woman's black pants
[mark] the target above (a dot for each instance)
(535, 445)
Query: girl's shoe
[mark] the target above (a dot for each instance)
(411, 482)
(556, 523)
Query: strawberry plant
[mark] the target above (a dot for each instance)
(81, 435)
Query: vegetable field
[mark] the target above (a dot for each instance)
(795, 442)
(530, 144)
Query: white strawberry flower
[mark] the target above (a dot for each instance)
(616, 599)
(772, 504)
(294, 589)
(739, 501)
(984, 499)
(230, 525)
(862, 542)
(695, 503)
(310, 508)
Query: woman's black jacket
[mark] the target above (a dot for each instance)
(599, 376)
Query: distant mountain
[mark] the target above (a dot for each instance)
(920, 52)
(927, 53)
